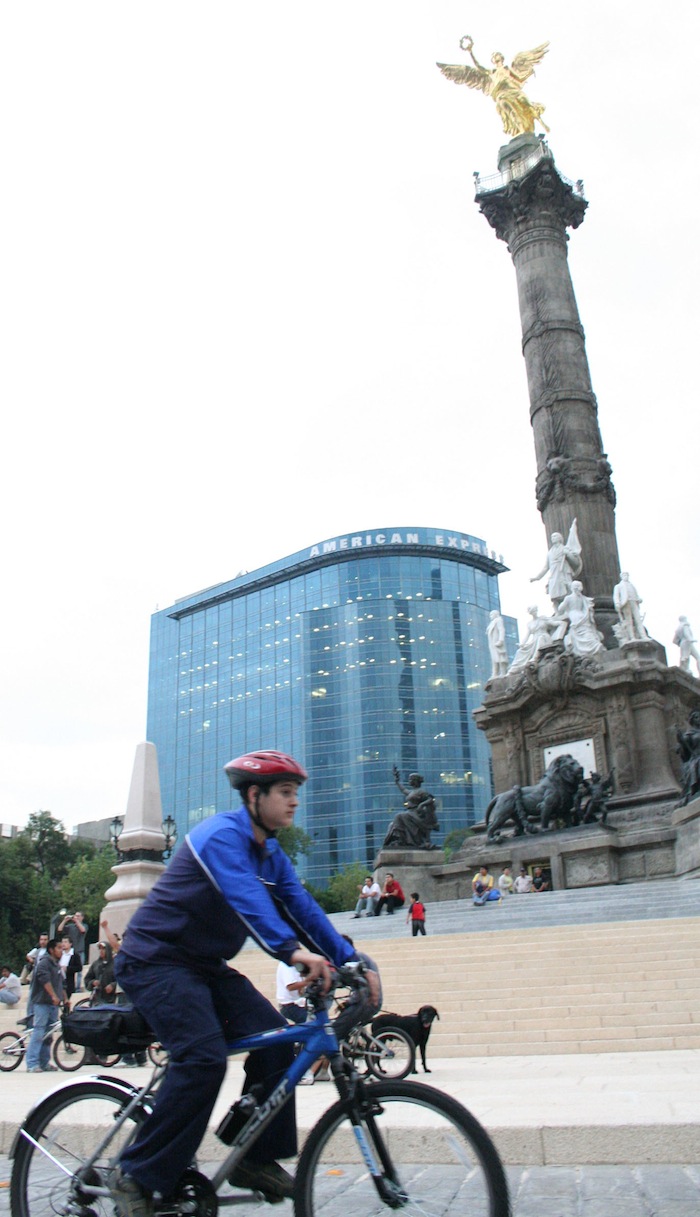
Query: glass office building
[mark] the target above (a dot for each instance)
(360, 653)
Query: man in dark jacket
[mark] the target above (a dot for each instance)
(99, 978)
(230, 879)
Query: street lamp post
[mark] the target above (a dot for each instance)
(115, 831)
(169, 828)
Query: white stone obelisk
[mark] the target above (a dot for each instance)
(141, 843)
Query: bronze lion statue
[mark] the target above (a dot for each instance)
(552, 799)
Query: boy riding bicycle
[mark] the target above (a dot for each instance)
(230, 879)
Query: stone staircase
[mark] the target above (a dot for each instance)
(607, 969)
(596, 970)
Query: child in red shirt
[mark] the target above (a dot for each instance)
(416, 915)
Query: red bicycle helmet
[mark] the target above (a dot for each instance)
(263, 768)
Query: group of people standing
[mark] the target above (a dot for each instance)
(53, 971)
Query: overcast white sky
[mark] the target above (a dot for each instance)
(248, 303)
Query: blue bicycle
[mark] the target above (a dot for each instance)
(368, 1152)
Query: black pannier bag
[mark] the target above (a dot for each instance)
(107, 1029)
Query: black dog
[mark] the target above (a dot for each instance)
(418, 1026)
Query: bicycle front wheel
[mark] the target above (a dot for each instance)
(59, 1152)
(391, 1054)
(11, 1051)
(430, 1157)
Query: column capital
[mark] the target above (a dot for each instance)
(542, 199)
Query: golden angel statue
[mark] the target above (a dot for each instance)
(504, 84)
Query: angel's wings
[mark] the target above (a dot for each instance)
(523, 66)
(462, 74)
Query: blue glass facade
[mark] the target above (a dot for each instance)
(360, 653)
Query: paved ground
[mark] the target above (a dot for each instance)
(564, 1191)
(601, 1135)
(596, 1108)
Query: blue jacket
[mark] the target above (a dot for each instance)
(220, 887)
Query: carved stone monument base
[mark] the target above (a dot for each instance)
(632, 848)
(625, 704)
(686, 821)
(638, 844)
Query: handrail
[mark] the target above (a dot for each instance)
(518, 169)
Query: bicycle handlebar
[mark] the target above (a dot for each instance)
(349, 976)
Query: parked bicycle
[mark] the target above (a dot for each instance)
(391, 1054)
(14, 1044)
(157, 1054)
(66, 1151)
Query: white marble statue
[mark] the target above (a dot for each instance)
(684, 639)
(539, 632)
(563, 564)
(496, 635)
(627, 600)
(583, 636)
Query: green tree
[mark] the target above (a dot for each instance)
(342, 891)
(85, 885)
(50, 849)
(294, 841)
(27, 900)
(34, 866)
(455, 840)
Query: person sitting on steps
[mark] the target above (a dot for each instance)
(392, 895)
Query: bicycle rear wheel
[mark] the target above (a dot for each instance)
(66, 1132)
(68, 1057)
(354, 1049)
(394, 1055)
(431, 1157)
(11, 1051)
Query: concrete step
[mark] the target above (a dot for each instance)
(622, 986)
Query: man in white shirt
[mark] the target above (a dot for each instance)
(505, 882)
(290, 1001)
(369, 895)
(10, 988)
(523, 883)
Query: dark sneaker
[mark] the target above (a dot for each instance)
(270, 1178)
(130, 1199)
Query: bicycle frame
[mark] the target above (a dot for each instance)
(361, 1105)
(316, 1038)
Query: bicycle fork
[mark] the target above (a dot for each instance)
(372, 1146)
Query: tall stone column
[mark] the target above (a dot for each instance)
(530, 206)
